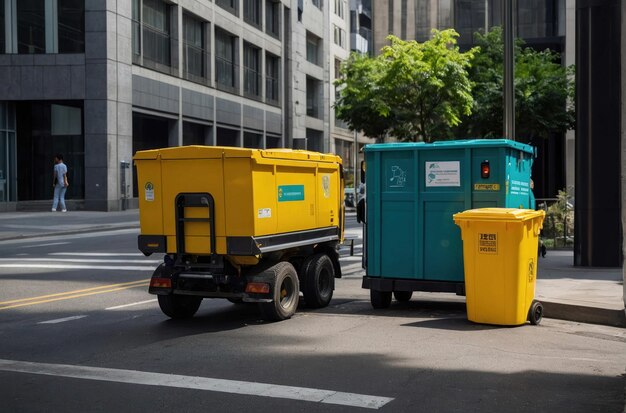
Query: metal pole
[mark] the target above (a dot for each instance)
(355, 162)
(509, 68)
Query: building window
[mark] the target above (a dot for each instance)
(273, 142)
(313, 88)
(156, 32)
(339, 36)
(229, 5)
(272, 18)
(313, 48)
(194, 133)
(194, 50)
(252, 70)
(136, 30)
(252, 12)
(71, 26)
(314, 140)
(2, 31)
(317, 3)
(31, 26)
(225, 63)
(227, 137)
(252, 140)
(272, 64)
(340, 8)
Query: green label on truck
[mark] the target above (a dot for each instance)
(290, 193)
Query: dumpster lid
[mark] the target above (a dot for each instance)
(217, 152)
(456, 144)
(498, 214)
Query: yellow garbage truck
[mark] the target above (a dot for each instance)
(247, 225)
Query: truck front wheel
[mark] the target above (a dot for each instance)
(286, 292)
(179, 306)
(318, 276)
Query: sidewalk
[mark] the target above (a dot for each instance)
(588, 295)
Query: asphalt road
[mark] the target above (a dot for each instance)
(79, 333)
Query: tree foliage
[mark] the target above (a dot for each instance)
(413, 91)
(543, 91)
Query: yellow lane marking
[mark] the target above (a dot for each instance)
(71, 294)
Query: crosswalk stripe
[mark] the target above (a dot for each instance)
(197, 383)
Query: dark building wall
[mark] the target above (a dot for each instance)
(598, 240)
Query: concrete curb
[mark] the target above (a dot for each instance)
(583, 314)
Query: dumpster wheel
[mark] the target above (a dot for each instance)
(535, 314)
(403, 296)
(380, 299)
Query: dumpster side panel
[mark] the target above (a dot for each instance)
(150, 196)
(519, 169)
(443, 260)
(265, 201)
(295, 192)
(194, 175)
(329, 195)
(238, 190)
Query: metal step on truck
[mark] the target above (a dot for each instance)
(246, 225)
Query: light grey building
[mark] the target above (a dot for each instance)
(98, 80)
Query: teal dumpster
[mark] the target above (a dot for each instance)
(413, 189)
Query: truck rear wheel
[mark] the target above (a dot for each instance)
(179, 306)
(318, 275)
(286, 292)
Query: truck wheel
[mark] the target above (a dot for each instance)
(403, 296)
(286, 292)
(535, 314)
(380, 299)
(318, 275)
(179, 306)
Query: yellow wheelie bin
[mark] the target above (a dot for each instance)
(500, 250)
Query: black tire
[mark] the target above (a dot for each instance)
(403, 296)
(179, 306)
(286, 292)
(535, 314)
(380, 299)
(318, 277)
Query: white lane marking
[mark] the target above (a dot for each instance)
(98, 254)
(77, 267)
(44, 245)
(97, 233)
(82, 260)
(197, 383)
(131, 304)
(63, 320)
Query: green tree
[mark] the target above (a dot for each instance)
(413, 91)
(543, 91)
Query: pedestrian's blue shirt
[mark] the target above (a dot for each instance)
(60, 170)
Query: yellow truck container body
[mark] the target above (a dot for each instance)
(263, 199)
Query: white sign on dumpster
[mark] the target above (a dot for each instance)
(446, 173)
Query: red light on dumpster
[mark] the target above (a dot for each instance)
(485, 170)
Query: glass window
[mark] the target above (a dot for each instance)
(339, 36)
(312, 48)
(71, 31)
(317, 3)
(31, 26)
(314, 140)
(227, 137)
(339, 8)
(230, 5)
(156, 32)
(252, 12)
(65, 120)
(313, 98)
(225, 68)
(136, 18)
(272, 18)
(194, 133)
(252, 140)
(273, 142)
(194, 53)
(2, 28)
(252, 70)
(271, 78)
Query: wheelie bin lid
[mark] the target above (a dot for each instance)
(498, 214)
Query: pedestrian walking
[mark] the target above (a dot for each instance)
(59, 183)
